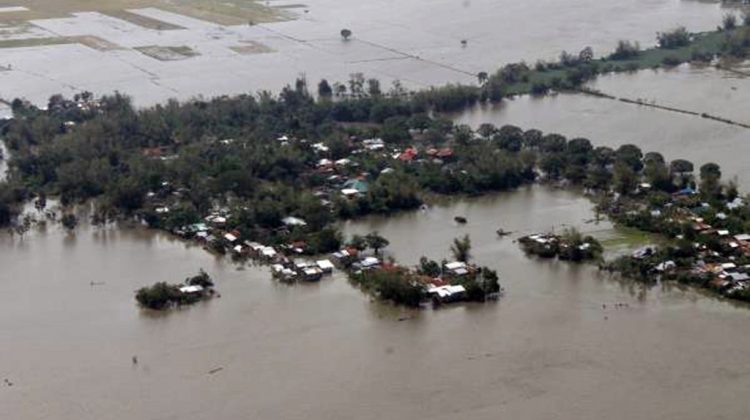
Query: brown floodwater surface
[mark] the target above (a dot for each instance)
(548, 349)
(613, 123)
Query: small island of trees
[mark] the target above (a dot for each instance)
(161, 295)
(431, 281)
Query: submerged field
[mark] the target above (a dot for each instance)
(230, 12)
(391, 41)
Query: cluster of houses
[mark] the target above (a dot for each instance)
(444, 288)
(719, 262)
(290, 271)
(549, 245)
(343, 177)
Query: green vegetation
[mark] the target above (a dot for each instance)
(247, 165)
(461, 249)
(397, 285)
(162, 295)
(570, 246)
(674, 47)
(439, 282)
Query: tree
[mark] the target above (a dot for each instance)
(324, 89)
(376, 242)
(683, 169)
(358, 242)
(579, 151)
(429, 267)
(339, 89)
(625, 178)
(490, 281)
(625, 50)
(653, 157)
(461, 249)
(357, 84)
(532, 139)
(486, 130)
(69, 221)
(586, 55)
(346, 33)
(553, 165)
(553, 143)
(482, 77)
(373, 87)
(630, 155)
(510, 138)
(681, 166)
(8, 209)
(710, 174)
(201, 279)
(604, 156)
(729, 21)
(657, 173)
(676, 38)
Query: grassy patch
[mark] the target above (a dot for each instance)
(705, 43)
(95, 42)
(142, 21)
(34, 42)
(228, 12)
(167, 53)
(250, 48)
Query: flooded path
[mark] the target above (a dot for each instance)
(325, 351)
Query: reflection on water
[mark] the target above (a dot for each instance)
(3, 161)
(547, 350)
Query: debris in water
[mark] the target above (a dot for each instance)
(212, 371)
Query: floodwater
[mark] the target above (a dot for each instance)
(547, 350)
(417, 42)
(612, 123)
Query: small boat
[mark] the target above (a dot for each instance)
(460, 219)
(503, 232)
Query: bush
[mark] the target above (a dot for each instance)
(729, 22)
(700, 56)
(202, 279)
(539, 88)
(397, 286)
(625, 50)
(159, 296)
(676, 38)
(671, 60)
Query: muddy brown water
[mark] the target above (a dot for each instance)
(613, 123)
(548, 349)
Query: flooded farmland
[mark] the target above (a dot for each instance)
(546, 350)
(103, 51)
(554, 347)
(613, 123)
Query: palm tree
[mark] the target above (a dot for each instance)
(461, 249)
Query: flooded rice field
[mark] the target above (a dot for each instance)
(548, 349)
(553, 347)
(613, 123)
(417, 42)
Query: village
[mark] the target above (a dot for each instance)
(288, 249)
(706, 240)
(277, 198)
